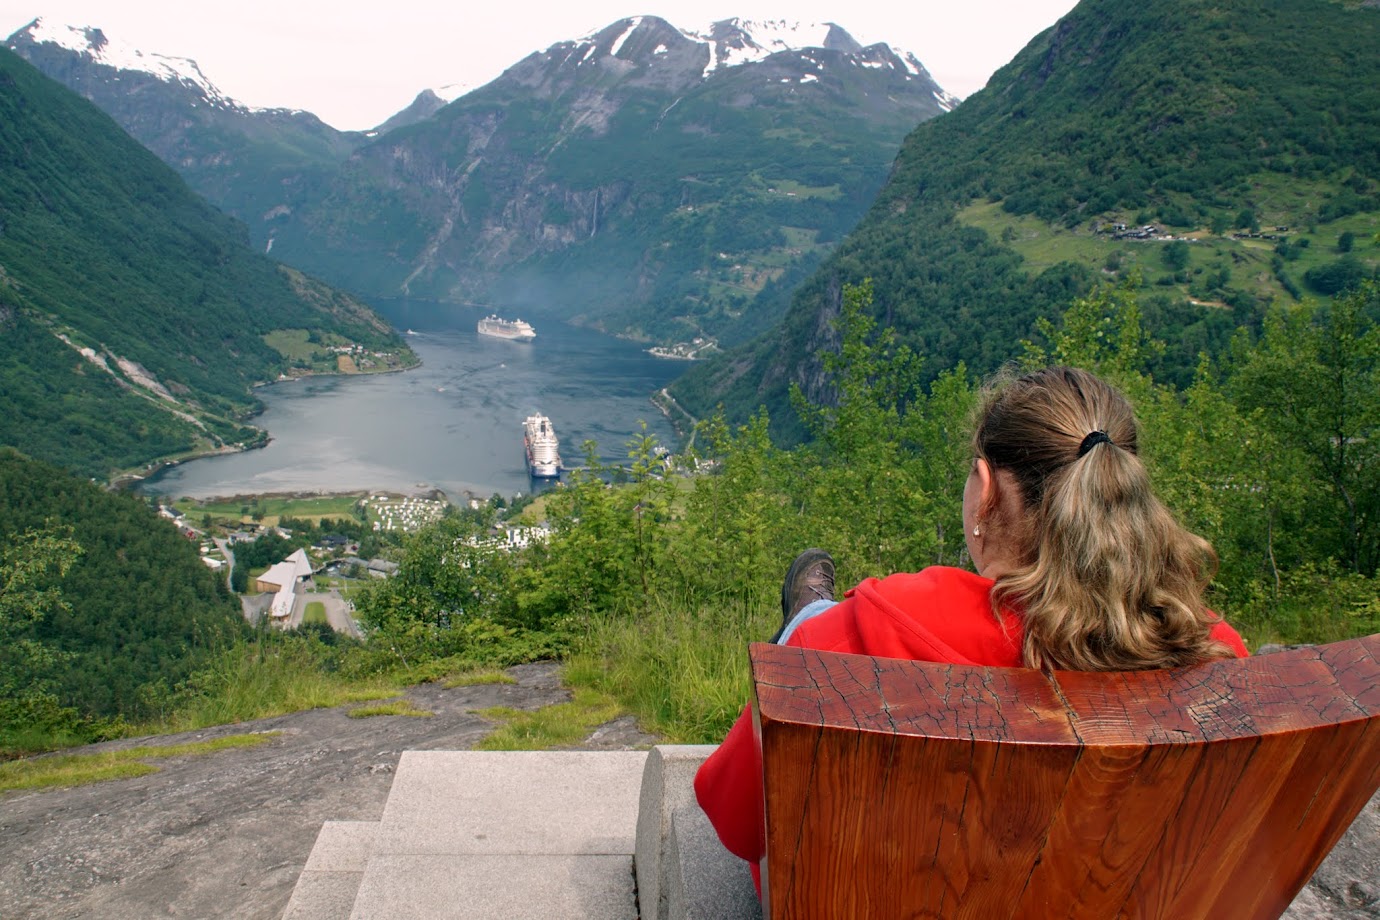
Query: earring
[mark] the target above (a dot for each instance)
(977, 530)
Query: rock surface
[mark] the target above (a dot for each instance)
(1347, 884)
(227, 834)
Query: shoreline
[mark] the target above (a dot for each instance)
(128, 479)
(430, 492)
(295, 467)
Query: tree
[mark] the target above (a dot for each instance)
(1175, 256)
(1335, 277)
(864, 496)
(733, 524)
(1315, 378)
(30, 569)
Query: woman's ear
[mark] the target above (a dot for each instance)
(987, 487)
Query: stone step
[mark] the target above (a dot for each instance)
(327, 886)
(683, 872)
(506, 802)
(485, 835)
(512, 887)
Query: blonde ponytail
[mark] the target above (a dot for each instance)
(1106, 579)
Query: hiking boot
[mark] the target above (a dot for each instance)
(810, 578)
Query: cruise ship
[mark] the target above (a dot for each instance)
(543, 450)
(501, 328)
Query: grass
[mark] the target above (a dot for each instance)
(80, 769)
(398, 707)
(272, 508)
(798, 190)
(534, 513)
(800, 237)
(552, 726)
(315, 613)
(292, 344)
(255, 681)
(474, 678)
(1043, 245)
(684, 674)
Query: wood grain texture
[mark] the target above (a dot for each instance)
(913, 789)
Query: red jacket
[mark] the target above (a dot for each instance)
(938, 614)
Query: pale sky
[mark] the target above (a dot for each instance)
(355, 64)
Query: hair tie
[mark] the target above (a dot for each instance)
(1093, 439)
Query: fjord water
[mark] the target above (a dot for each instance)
(454, 424)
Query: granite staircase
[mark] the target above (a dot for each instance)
(514, 835)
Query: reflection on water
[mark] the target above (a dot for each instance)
(454, 424)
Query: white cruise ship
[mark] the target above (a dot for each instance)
(501, 328)
(542, 447)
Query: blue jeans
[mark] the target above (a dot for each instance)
(808, 612)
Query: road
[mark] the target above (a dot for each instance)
(339, 613)
(224, 546)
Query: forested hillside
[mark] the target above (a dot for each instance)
(134, 313)
(1246, 132)
(104, 606)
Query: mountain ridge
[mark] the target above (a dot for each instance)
(736, 159)
(610, 176)
(1245, 133)
(173, 109)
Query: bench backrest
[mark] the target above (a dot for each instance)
(913, 789)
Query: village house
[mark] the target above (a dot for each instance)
(282, 580)
(382, 568)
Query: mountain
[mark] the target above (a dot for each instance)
(1246, 132)
(642, 178)
(427, 104)
(134, 315)
(246, 161)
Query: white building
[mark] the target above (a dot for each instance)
(283, 580)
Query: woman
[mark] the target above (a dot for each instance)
(1079, 567)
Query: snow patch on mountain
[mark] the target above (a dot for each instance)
(736, 42)
(618, 42)
(94, 44)
(760, 40)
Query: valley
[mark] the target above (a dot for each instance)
(258, 468)
(652, 180)
(452, 424)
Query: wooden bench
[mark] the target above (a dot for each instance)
(912, 789)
